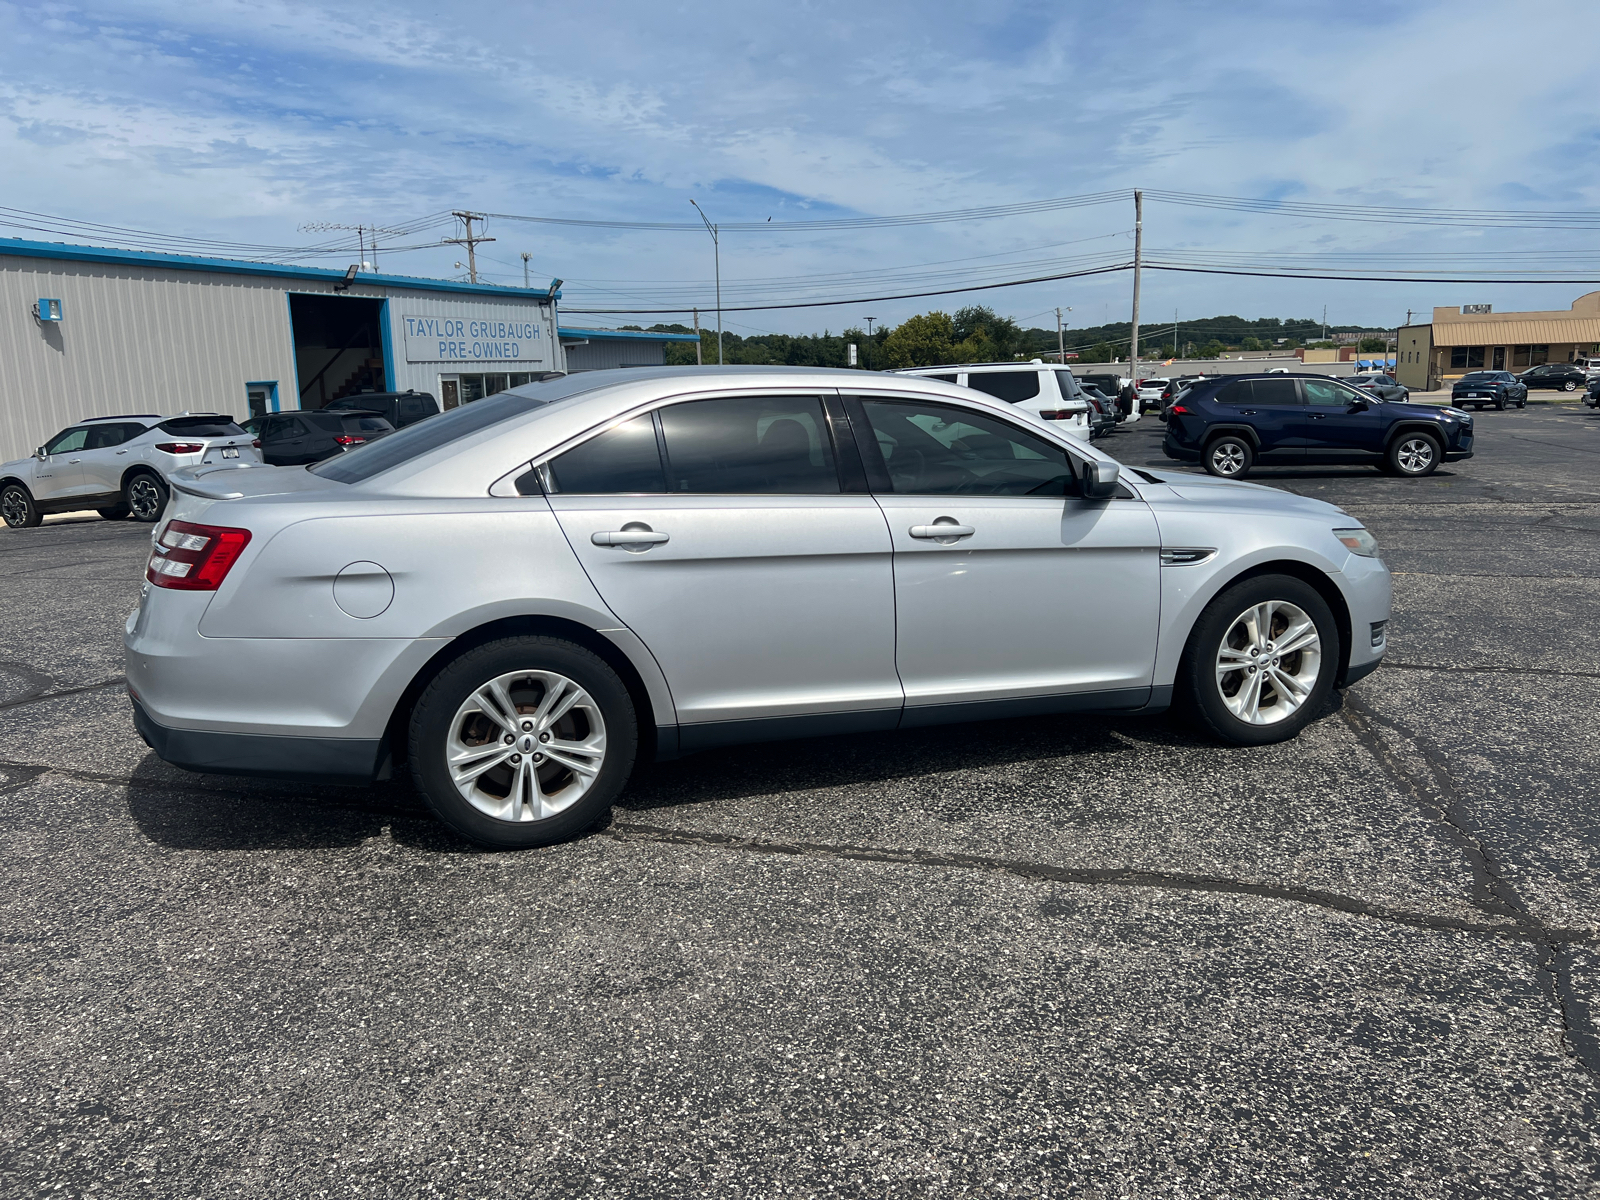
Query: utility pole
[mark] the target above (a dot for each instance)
(470, 242)
(1174, 333)
(1061, 341)
(1138, 265)
(716, 253)
(864, 355)
(1324, 322)
(525, 257)
(697, 361)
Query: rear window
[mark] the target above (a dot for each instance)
(365, 425)
(425, 436)
(201, 427)
(1006, 385)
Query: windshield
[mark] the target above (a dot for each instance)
(416, 440)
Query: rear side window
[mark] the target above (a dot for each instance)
(414, 408)
(750, 445)
(625, 459)
(102, 437)
(1237, 394)
(1068, 383)
(1010, 386)
(366, 425)
(1276, 392)
(384, 454)
(201, 427)
(942, 378)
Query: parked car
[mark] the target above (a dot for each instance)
(1591, 398)
(1103, 419)
(1117, 387)
(1232, 424)
(703, 557)
(117, 465)
(1564, 376)
(1385, 387)
(1048, 392)
(1175, 388)
(292, 439)
(1499, 388)
(398, 408)
(1150, 391)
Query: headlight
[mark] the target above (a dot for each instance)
(1455, 412)
(1358, 541)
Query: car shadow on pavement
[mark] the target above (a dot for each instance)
(187, 811)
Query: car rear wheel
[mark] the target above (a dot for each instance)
(1413, 454)
(1569, 385)
(145, 495)
(1261, 660)
(1229, 457)
(18, 508)
(523, 742)
(117, 512)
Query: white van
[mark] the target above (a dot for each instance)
(1049, 391)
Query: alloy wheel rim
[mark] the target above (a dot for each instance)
(525, 746)
(14, 509)
(1415, 454)
(144, 498)
(1269, 662)
(1228, 459)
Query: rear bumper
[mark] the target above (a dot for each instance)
(267, 756)
(1171, 449)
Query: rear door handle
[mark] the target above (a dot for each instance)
(942, 529)
(629, 537)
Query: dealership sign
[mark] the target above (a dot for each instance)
(472, 340)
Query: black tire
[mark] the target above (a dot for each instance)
(117, 512)
(434, 723)
(1407, 457)
(17, 507)
(1228, 457)
(1201, 689)
(145, 496)
(1569, 385)
(1500, 404)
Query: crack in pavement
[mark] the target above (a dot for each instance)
(36, 697)
(1389, 663)
(1437, 797)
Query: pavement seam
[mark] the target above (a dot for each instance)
(1391, 664)
(625, 831)
(1439, 799)
(36, 697)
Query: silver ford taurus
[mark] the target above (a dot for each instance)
(516, 599)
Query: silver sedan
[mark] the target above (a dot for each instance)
(516, 599)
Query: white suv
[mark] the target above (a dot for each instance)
(117, 465)
(1049, 392)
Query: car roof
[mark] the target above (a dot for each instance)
(997, 366)
(125, 417)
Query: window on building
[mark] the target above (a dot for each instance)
(1469, 357)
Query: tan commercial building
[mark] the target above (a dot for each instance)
(1474, 338)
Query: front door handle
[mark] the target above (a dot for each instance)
(1247, 412)
(1317, 416)
(74, 460)
(943, 530)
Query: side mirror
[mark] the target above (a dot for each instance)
(1360, 404)
(39, 454)
(1100, 480)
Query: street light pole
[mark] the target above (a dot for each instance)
(716, 254)
(869, 321)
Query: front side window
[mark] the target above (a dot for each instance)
(624, 460)
(66, 441)
(1010, 386)
(754, 445)
(939, 450)
(1328, 394)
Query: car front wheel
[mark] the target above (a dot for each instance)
(145, 495)
(1229, 457)
(18, 508)
(1413, 455)
(1261, 661)
(523, 742)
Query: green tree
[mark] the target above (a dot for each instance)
(926, 340)
(1251, 343)
(1371, 344)
(1103, 353)
(1212, 349)
(983, 336)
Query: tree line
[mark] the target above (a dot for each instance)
(977, 333)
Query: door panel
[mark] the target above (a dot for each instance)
(1331, 427)
(754, 606)
(1277, 413)
(60, 472)
(1031, 594)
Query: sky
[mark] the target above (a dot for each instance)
(245, 121)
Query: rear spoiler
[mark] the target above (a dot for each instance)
(211, 482)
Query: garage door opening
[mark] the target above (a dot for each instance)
(338, 346)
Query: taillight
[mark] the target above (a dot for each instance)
(1179, 409)
(349, 439)
(1058, 414)
(195, 558)
(256, 442)
(180, 447)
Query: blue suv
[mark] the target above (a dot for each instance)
(1234, 422)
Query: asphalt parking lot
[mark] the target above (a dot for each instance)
(1066, 956)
